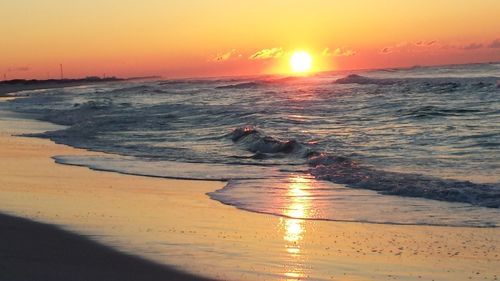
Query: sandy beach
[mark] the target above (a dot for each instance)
(174, 223)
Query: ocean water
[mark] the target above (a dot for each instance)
(400, 146)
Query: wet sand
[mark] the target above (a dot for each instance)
(173, 222)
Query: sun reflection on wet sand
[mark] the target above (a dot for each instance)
(296, 208)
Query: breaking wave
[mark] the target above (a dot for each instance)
(254, 141)
(245, 85)
(343, 170)
(449, 82)
(346, 171)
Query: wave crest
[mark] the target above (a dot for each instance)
(244, 85)
(343, 170)
(358, 79)
(429, 111)
(254, 141)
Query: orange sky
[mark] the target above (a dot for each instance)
(186, 38)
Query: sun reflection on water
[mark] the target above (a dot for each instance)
(296, 208)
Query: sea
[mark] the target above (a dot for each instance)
(417, 146)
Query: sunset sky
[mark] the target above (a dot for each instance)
(187, 38)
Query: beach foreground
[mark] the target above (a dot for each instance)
(35, 251)
(173, 222)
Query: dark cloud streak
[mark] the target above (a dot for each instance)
(495, 44)
(18, 69)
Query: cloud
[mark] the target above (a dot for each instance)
(267, 54)
(472, 46)
(226, 56)
(386, 50)
(495, 43)
(410, 47)
(338, 52)
(425, 44)
(463, 47)
(18, 69)
(400, 47)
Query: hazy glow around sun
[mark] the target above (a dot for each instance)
(301, 61)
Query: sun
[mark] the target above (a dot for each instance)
(301, 61)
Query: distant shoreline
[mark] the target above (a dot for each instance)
(11, 86)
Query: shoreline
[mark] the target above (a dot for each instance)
(173, 222)
(9, 87)
(6, 90)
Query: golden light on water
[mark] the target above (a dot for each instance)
(294, 275)
(293, 230)
(299, 197)
(297, 208)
